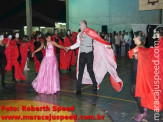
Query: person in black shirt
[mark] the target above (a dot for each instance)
(37, 44)
(3, 61)
(59, 40)
(39, 54)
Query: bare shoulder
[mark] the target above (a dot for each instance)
(52, 42)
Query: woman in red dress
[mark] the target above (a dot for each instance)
(69, 58)
(14, 62)
(149, 75)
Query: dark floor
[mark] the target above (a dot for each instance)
(117, 107)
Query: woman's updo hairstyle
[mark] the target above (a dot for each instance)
(141, 35)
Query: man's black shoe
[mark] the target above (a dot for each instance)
(78, 92)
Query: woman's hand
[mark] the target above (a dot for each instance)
(136, 53)
(64, 48)
(33, 54)
(135, 50)
(67, 49)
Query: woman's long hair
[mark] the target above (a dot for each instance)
(67, 31)
(37, 34)
(13, 36)
(25, 38)
(45, 41)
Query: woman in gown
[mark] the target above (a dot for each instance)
(47, 80)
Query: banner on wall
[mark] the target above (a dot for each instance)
(151, 34)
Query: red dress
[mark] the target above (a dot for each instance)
(74, 36)
(24, 53)
(12, 60)
(149, 80)
(68, 58)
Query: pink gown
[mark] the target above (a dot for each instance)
(47, 80)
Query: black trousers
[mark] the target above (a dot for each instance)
(2, 71)
(137, 99)
(133, 87)
(13, 73)
(126, 48)
(13, 68)
(117, 47)
(86, 58)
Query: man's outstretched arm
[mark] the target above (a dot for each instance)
(74, 46)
